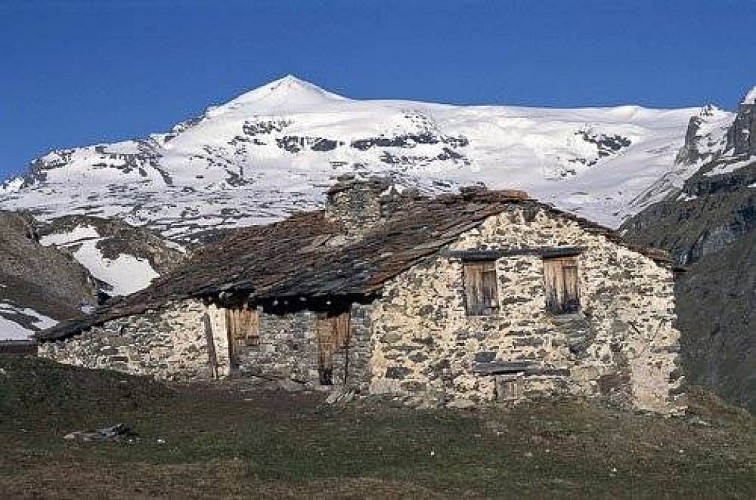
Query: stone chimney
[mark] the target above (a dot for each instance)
(356, 202)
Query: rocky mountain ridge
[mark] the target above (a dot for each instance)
(121, 257)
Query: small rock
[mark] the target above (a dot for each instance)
(340, 395)
(461, 404)
(111, 433)
(696, 420)
(289, 385)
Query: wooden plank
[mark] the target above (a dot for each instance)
(325, 332)
(333, 334)
(489, 255)
(252, 336)
(490, 292)
(524, 367)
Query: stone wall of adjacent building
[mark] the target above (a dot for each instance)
(170, 344)
(288, 349)
(622, 345)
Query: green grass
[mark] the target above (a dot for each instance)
(219, 441)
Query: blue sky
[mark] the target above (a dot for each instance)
(76, 72)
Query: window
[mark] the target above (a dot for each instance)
(560, 277)
(481, 294)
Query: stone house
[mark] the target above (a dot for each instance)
(458, 300)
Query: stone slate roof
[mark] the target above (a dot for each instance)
(301, 256)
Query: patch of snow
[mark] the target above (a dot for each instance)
(175, 246)
(726, 168)
(12, 330)
(750, 97)
(126, 274)
(686, 197)
(76, 235)
(12, 185)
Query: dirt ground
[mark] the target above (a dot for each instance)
(234, 440)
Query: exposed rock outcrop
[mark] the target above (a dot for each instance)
(710, 225)
(32, 276)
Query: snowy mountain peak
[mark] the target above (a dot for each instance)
(276, 149)
(285, 94)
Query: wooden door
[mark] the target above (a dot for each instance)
(242, 327)
(333, 332)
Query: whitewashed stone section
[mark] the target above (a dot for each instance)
(622, 345)
(168, 344)
(217, 317)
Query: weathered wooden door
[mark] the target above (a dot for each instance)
(242, 329)
(333, 333)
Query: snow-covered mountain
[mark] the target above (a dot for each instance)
(276, 149)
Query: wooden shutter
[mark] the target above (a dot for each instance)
(341, 329)
(560, 276)
(481, 291)
(243, 326)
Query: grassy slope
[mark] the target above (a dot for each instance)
(224, 442)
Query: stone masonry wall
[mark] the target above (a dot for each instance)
(166, 344)
(622, 345)
(288, 349)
